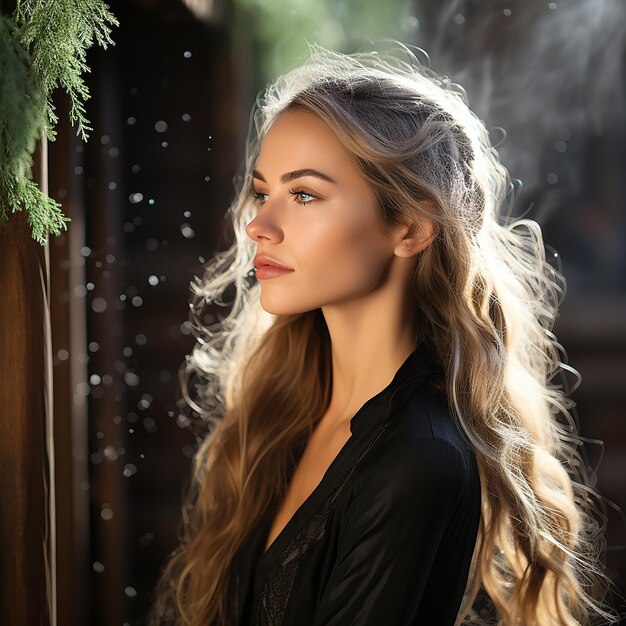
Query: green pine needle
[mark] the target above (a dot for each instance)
(58, 34)
(44, 213)
(43, 46)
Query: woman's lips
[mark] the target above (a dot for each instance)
(270, 271)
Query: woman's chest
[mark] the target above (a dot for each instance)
(323, 447)
(288, 579)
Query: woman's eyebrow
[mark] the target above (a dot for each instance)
(287, 176)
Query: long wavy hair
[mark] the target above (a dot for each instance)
(258, 383)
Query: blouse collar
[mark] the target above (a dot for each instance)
(418, 368)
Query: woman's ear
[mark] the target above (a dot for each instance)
(414, 236)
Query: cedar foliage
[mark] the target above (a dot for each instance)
(43, 46)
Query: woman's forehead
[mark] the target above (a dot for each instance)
(301, 123)
(301, 139)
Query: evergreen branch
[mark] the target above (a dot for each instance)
(58, 34)
(43, 47)
(21, 104)
(43, 212)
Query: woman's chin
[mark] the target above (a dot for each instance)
(282, 306)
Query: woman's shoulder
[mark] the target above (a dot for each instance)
(408, 476)
(422, 439)
(425, 420)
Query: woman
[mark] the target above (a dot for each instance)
(383, 441)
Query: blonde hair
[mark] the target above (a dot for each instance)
(490, 299)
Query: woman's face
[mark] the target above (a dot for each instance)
(323, 226)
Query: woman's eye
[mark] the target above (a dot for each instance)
(256, 195)
(300, 196)
(295, 193)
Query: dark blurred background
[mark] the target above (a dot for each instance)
(147, 194)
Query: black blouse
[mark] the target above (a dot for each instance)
(387, 536)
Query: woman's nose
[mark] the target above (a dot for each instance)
(264, 226)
